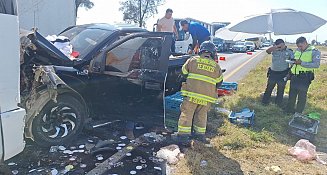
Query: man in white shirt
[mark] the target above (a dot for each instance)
(167, 24)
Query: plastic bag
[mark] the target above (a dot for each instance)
(169, 153)
(303, 150)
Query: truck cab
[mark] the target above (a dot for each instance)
(11, 115)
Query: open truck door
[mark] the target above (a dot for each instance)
(11, 116)
(134, 70)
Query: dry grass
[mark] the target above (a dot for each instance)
(239, 150)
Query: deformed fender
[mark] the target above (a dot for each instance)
(45, 76)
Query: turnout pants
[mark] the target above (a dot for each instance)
(298, 90)
(192, 115)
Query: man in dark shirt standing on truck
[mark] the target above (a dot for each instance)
(278, 71)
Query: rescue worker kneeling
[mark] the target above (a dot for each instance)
(203, 76)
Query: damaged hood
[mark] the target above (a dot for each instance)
(45, 52)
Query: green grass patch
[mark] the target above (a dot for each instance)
(270, 121)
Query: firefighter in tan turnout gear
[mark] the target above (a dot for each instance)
(203, 76)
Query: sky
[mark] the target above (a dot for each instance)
(107, 11)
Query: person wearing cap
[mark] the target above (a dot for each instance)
(307, 60)
(198, 32)
(167, 24)
(203, 76)
(278, 71)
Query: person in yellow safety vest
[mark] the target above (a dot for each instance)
(203, 77)
(307, 59)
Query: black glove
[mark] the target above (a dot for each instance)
(219, 84)
(181, 78)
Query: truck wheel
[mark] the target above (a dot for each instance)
(60, 122)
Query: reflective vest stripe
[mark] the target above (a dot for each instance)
(199, 129)
(202, 78)
(199, 96)
(184, 71)
(220, 79)
(305, 56)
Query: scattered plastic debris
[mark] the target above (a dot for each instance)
(138, 167)
(306, 151)
(157, 168)
(99, 157)
(69, 167)
(53, 149)
(169, 153)
(123, 137)
(303, 150)
(72, 158)
(61, 148)
(132, 172)
(11, 164)
(128, 154)
(68, 152)
(223, 110)
(203, 163)
(54, 172)
(14, 172)
(122, 144)
(275, 169)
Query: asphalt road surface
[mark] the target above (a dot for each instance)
(237, 65)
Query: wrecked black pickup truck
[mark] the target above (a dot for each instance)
(119, 72)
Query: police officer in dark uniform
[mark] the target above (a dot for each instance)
(278, 71)
(307, 59)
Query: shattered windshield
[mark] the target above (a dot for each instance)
(84, 40)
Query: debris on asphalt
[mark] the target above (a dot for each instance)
(132, 172)
(123, 137)
(11, 164)
(14, 171)
(61, 148)
(53, 149)
(169, 153)
(54, 172)
(203, 163)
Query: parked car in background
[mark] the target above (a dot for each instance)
(250, 46)
(266, 44)
(220, 44)
(239, 47)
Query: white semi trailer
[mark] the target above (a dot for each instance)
(11, 115)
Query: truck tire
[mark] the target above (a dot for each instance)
(58, 123)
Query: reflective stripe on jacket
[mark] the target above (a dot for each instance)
(305, 56)
(202, 76)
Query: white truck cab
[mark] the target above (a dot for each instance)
(11, 115)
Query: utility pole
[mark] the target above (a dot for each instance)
(316, 39)
(140, 23)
